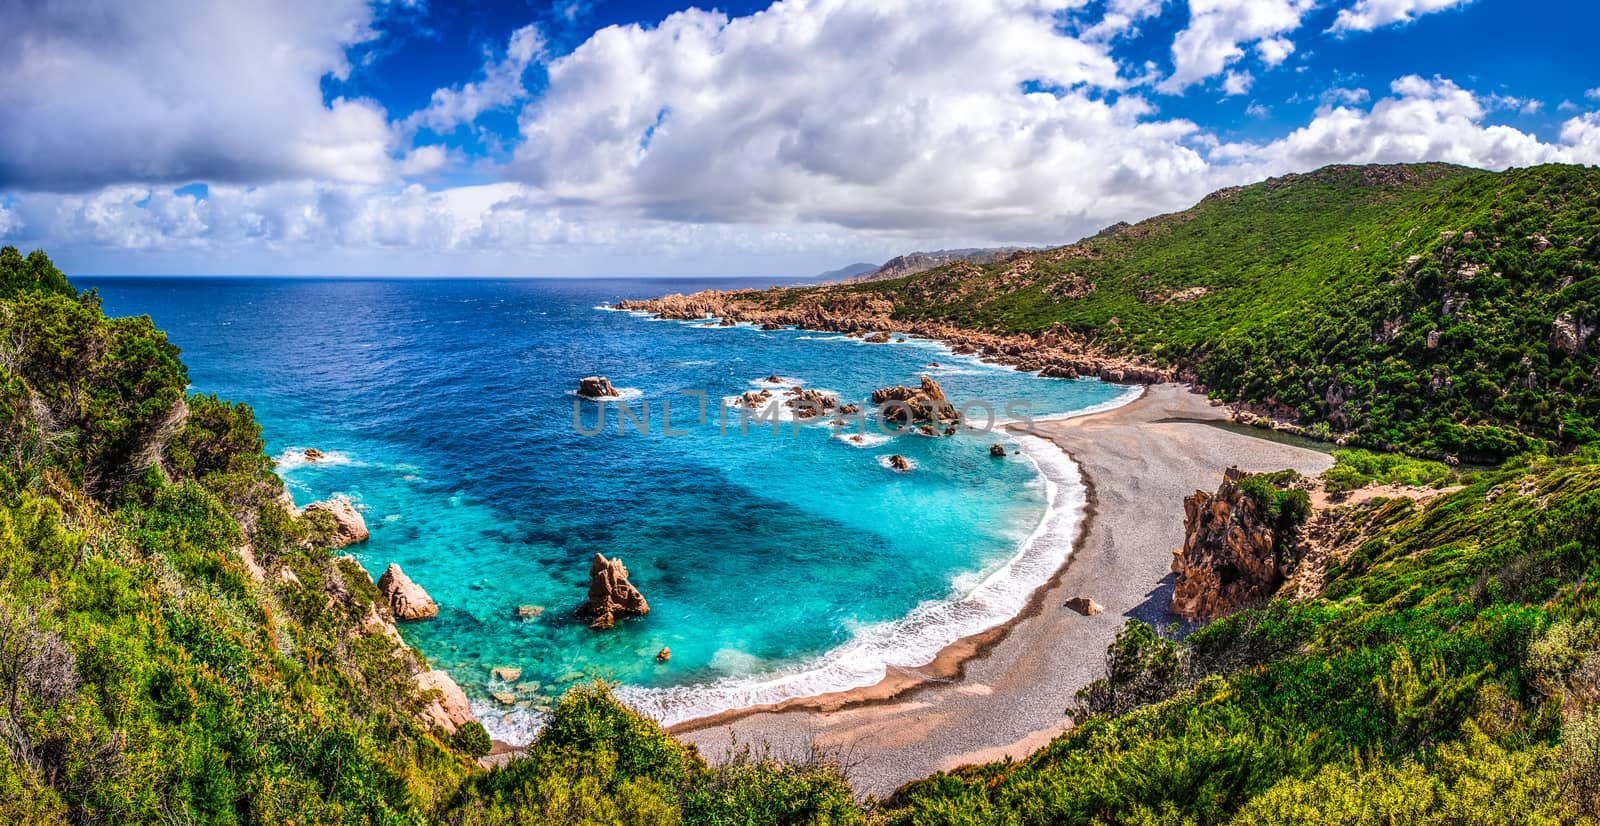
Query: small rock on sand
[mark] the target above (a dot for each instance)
(1085, 606)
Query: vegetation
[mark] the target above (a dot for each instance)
(1357, 468)
(1436, 309)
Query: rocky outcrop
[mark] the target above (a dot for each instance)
(312, 454)
(877, 338)
(808, 404)
(664, 654)
(899, 463)
(1236, 552)
(997, 450)
(908, 405)
(350, 528)
(611, 595)
(597, 387)
(446, 706)
(406, 598)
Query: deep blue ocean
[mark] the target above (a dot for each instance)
(776, 565)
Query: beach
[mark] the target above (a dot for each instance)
(1004, 693)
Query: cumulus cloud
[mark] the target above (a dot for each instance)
(1367, 15)
(1218, 30)
(1121, 18)
(1237, 83)
(890, 116)
(106, 92)
(500, 87)
(1422, 120)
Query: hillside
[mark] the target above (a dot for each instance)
(1441, 310)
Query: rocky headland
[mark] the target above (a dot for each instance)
(611, 595)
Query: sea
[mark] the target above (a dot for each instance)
(780, 558)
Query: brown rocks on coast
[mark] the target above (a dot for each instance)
(997, 450)
(808, 403)
(597, 387)
(529, 611)
(446, 707)
(908, 405)
(349, 527)
(1235, 553)
(406, 598)
(899, 463)
(312, 454)
(611, 595)
(506, 673)
(664, 654)
(1085, 606)
(877, 338)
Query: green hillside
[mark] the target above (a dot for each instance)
(1434, 308)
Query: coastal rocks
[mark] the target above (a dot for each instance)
(406, 598)
(349, 528)
(447, 708)
(312, 454)
(506, 673)
(1235, 554)
(1085, 606)
(753, 399)
(906, 405)
(899, 463)
(771, 325)
(997, 450)
(664, 654)
(597, 387)
(529, 612)
(877, 338)
(808, 404)
(611, 595)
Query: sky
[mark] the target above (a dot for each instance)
(602, 137)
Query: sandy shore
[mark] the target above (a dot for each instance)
(1003, 693)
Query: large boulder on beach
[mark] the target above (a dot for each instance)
(447, 705)
(611, 595)
(1239, 547)
(349, 528)
(924, 403)
(406, 598)
(597, 387)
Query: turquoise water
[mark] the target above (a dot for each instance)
(775, 564)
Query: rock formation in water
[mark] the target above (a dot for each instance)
(808, 403)
(597, 387)
(664, 654)
(406, 598)
(350, 528)
(611, 595)
(997, 450)
(312, 454)
(899, 463)
(1236, 551)
(908, 405)
(877, 338)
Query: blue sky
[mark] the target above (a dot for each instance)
(588, 137)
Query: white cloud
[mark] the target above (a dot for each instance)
(500, 87)
(104, 92)
(424, 160)
(1593, 94)
(1237, 83)
(1422, 120)
(1367, 15)
(1342, 96)
(1121, 18)
(1219, 29)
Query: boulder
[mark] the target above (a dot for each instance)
(808, 403)
(449, 709)
(907, 405)
(773, 379)
(529, 611)
(664, 654)
(899, 463)
(611, 595)
(312, 454)
(597, 387)
(849, 409)
(406, 598)
(997, 450)
(506, 673)
(1085, 606)
(877, 338)
(772, 325)
(351, 528)
(504, 698)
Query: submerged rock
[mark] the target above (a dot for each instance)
(351, 528)
(529, 611)
(506, 673)
(597, 387)
(611, 595)
(406, 598)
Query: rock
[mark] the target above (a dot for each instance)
(504, 698)
(877, 338)
(449, 709)
(727, 322)
(287, 501)
(351, 527)
(772, 325)
(247, 556)
(933, 364)
(406, 598)
(997, 450)
(753, 399)
(1085, 606)
(849, 409)
(908, 405)
(611, 595)
(773, 379)
(506, 673)
(808, 403)
(312, 454)
(529, 611)
(927, 430)
(597, 387)
(1433, 339)
(1234, 554)
(900, 463)
(900, 340)
(664, 654)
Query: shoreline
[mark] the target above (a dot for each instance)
(1003, 693)
(949, 663)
